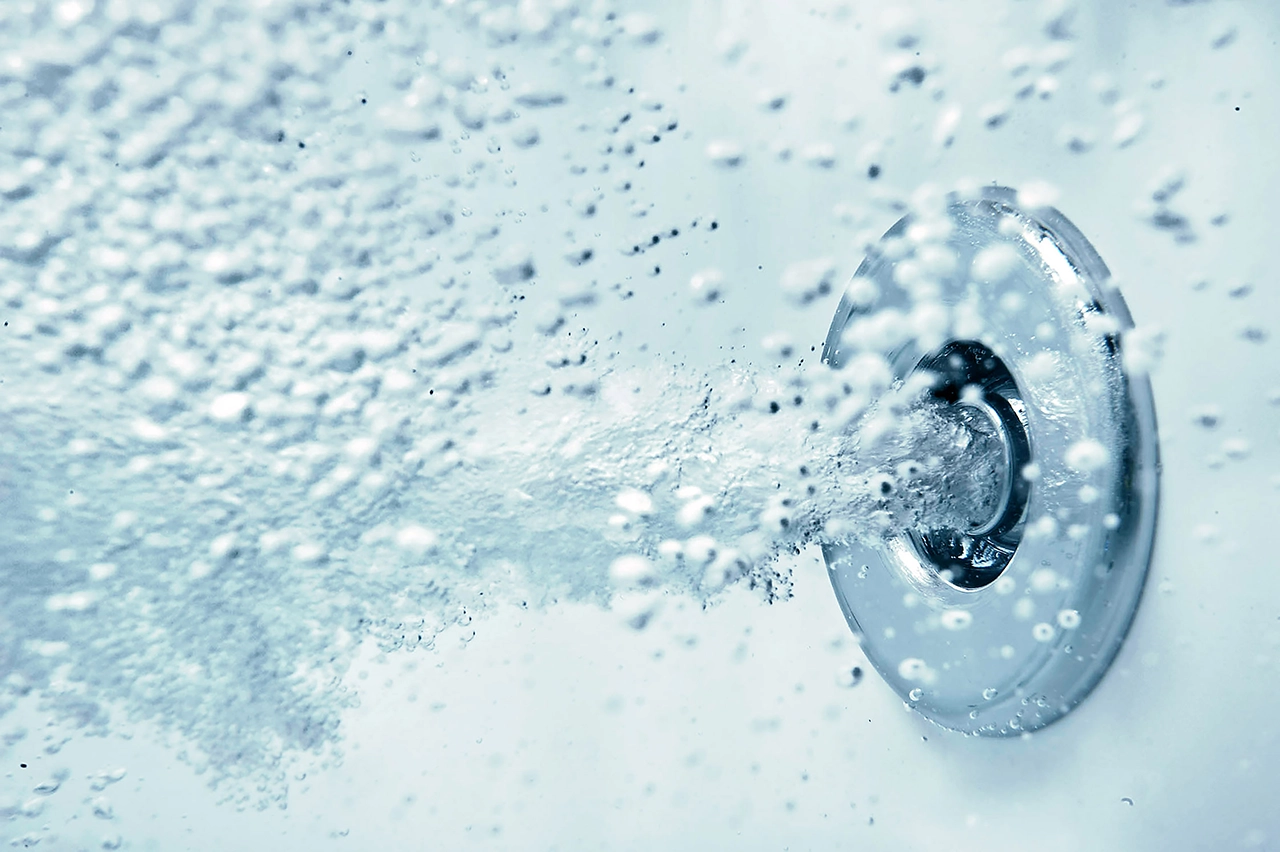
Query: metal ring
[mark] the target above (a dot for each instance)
(1008, 626)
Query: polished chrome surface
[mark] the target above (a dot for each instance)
(1007, 626)
(974, 383)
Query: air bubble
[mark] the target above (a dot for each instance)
(849, 677)
(806, 281)
(881, 485)
(707, 285)
(1087, 455)
(633, 570)
(995, 263)
(725, 153)
(1128, 128)
(634, 501)
(1236, 448)
(1037, 194)
(913, 668)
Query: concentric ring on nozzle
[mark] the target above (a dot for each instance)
(974, 382)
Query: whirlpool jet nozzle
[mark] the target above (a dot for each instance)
(1006, 625)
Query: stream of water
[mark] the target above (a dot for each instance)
(272, 391)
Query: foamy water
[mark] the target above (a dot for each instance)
(221, 586)
(270, 392)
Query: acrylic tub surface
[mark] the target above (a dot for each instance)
(560, 725)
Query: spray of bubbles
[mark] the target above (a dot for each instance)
(272, 392)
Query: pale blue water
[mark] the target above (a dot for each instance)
(279, 279)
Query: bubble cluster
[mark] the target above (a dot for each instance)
(291, 368)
